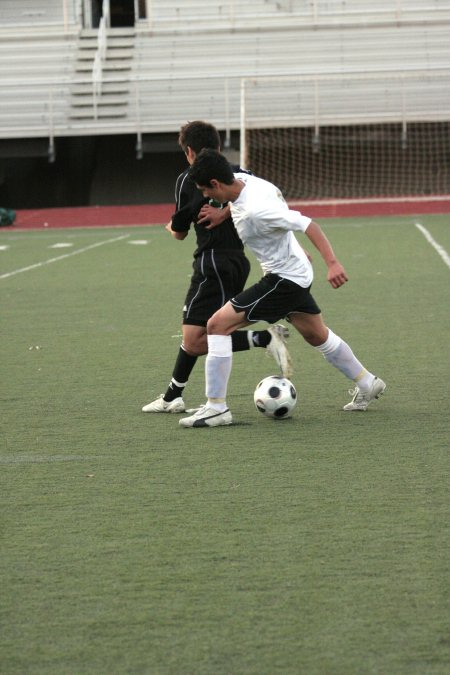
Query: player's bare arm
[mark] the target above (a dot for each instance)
(176, 235)
(336, 275)
(214, 215)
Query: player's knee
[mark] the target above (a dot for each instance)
(217, 326)
(196, 346)
(314, 338)
(212, 326)
(313, 335)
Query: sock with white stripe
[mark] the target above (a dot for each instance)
(180, 376)
(243, 340)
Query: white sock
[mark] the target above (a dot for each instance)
(217, 370)
(338, 353)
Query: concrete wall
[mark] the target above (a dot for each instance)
(90, 171)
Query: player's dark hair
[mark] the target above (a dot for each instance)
(211, 164)
(198, 135)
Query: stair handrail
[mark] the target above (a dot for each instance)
(100, 54)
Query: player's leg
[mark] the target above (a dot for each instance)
(339, 354)
(219, 359)
(260, 302)
(268, 338)
(218, 368)
(232, 270)
(195, 342)
(194, 339)
(203, 297)
(195, 316)
(268, 300)
(212, 281)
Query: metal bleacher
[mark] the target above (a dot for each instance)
(20, 14)
(184, 15)
(38, 43)
(188, 59)
(191, 75)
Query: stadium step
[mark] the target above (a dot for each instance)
(102, 112)
(112, 101)
(86, 100)
(111, 52)
(115, 43)
(109, 64)
(107, 88)
(112, 33)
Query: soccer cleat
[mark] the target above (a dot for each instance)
(362, 399)
(162, 406)
(278, 350)
(207, 417)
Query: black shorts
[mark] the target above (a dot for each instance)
(274, 298)
(218, 276)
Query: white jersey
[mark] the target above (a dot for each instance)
(265, 224)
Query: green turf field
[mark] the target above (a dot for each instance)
(317, 545)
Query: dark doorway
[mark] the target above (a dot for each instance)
(142, 9)
(122, 13)
(96, 9)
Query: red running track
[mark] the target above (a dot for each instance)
(158, 214)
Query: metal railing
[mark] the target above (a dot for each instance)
(100, 55)
(158, 106)
(233, 14)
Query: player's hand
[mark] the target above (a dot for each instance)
(337, 276)
(211, 216)
(176, 235)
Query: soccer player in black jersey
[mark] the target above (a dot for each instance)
(220, 270)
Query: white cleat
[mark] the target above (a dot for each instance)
(362, 399)
(162, 406)
(278, 350)
(207, 417)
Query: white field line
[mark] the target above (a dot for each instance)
(369, 200)
(437, 247)
(62, 257)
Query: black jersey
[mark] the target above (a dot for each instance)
(189, 201)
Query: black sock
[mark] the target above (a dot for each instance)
(240, 343)
(261, 338)
(180, 376)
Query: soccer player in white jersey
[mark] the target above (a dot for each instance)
(266, 225)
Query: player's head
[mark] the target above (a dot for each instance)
(211, 165)
(213, 175)
(198, 135)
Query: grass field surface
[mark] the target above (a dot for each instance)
(317, 545)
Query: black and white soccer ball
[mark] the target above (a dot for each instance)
(275, 397)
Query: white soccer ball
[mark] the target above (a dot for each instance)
(275, 396)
